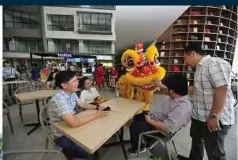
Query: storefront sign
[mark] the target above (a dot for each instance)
(65, 55)
(104, 58)
(70, 60)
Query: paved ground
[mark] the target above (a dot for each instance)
(36, 140)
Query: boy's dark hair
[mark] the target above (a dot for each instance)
(196, 47)
(63, 77)
(177, 83)
(82, 82)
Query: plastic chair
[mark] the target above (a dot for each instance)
(6, 111)
(46, 126)
(47, 129)
(166, 139)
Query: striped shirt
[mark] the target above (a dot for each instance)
(212, 72)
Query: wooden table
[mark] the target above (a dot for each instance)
(29, 96)
(94, 134)
(35, 96)
(125, 106)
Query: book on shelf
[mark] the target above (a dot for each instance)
(195, 29)
(225, 56)
(162, 54)
(179, 22)
(206, 46)
(209, 22)
(195, 13)
(211, 14)
(193, 37)
(175, 68)
(178, 38)
(207, 39)
(176, 54)
(162, 61)
(176, 61)
(190, 69)
(208, 30)
(195, 22)
(188, 76)
(163, 47)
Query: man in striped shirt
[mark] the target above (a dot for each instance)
(212, 112)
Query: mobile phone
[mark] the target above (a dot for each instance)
(107, 108)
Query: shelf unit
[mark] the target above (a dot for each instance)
(215, 27)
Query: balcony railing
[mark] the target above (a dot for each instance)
(95, 29)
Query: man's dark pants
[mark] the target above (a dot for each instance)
(138, 126)
(70, 149)
(213, 141)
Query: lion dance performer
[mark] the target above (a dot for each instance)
(143, 69)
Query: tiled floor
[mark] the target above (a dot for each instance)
(36, 140)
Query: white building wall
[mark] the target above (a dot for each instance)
(74, 34)
(235, 60)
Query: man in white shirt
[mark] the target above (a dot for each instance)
(212, 112)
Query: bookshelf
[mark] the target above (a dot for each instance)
(215, 27)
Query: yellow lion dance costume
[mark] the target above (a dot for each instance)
(143, 69)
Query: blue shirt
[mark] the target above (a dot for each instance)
(8, 71)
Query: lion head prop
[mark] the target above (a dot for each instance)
(143, 68)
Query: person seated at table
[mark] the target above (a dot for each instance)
(173, 113)
(89, 93)
(50, 83)
(9, 72)
(63, 106)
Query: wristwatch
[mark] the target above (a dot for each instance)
(213, 116)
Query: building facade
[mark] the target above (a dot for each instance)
(80, 30)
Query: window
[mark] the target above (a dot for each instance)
(28, 44)
(58, 45)
(20, 19)
(8, 44)
(96, 21)
(60, 22)
(97, 47)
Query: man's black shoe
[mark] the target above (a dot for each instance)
(180, 157)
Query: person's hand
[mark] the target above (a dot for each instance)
(101, 108)
(155, 83)
(213, 124)
(159, 84)
(147, 118)
(100, 114)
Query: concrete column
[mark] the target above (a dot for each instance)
(81, 46)
(44, 28)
